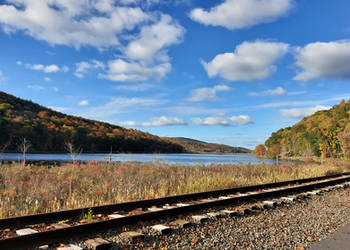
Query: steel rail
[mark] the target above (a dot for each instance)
(16, 222)
(53, 236)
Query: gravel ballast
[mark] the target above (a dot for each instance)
(291, 226)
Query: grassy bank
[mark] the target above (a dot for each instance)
(31, 190)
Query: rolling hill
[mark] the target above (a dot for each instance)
(325, 133)
(195, 146)
(48, 130)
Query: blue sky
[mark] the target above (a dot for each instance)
(224, 71)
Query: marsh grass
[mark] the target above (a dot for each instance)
(39, 189)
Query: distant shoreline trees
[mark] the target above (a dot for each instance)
(323, 134)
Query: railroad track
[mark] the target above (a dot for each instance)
(57, 227)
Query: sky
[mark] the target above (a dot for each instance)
(223, 71)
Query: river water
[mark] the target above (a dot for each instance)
(184, 159)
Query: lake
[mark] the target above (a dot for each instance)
(185, 159)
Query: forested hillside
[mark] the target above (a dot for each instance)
(48, 131)
(325, 133)
(195, 146)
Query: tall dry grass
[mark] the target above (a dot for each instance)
(35, 189)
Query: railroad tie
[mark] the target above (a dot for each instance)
(98, 244)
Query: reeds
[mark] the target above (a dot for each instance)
(39, 189)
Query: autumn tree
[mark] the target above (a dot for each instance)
(260, 150)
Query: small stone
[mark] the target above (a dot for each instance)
(98, 244)
(269, 204)
(162, 229)
(134, 236)
(25, 231)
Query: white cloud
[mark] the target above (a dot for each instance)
(302, 112)
(83, 103)
(237, 14)
(324, 60)
(53, 68)
(121, 105)
(222, 120)
(135, 87)
(35, 87)
(55, 89)
(140, 36)
(122, 71)
(250, 61)
(154, 39)
(241, 119)
(83, 67)
(19, 62)
(47, 79)
(70, 22)
(164, 121)
(207, 94)
(279, 91)
(219, 120)
(155, 122)
(146, 56)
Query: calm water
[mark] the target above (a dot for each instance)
(186, 159)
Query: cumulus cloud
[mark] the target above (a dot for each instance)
(279, 91)
(35, 87)
(73, 23)
(207, 94)
(153, 39)
(83, 103)
(155, 122)
(83, 67)
(237, 14)
(47, 79)
(324, 60)
(146, 56)
(53, 68)
(122, 71)
(141, 37)
(241, 120)
(302, 112)
(223, 120)
(250, 61)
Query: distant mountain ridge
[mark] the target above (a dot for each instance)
(195, 146)
(48, 130)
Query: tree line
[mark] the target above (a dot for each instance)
(323, 134)
(48, 131)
